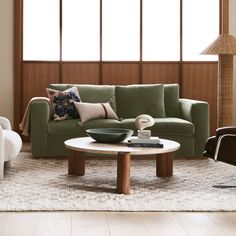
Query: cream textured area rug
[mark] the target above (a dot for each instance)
(43, 184)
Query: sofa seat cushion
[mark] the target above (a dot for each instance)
(134, 100)
(164, 126)
(74, 128)
(64, 127)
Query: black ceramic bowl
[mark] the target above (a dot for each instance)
(109, 135)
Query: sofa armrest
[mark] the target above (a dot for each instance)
(40, 113)
(197, 112)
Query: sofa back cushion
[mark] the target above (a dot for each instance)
(171, 98)
(133, 100)
(92, 93)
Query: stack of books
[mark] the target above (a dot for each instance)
(139, 142)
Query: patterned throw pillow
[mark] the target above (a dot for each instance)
(62, 103)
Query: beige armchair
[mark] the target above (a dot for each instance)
(10, 144)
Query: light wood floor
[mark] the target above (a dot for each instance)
(117, 223)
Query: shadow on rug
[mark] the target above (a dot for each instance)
(43, 184)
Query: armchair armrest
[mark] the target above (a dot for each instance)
(5, 123)
(40, 115)
(225, 149)
(197, 112)
(225, 130)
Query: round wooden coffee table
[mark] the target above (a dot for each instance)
(78, 147)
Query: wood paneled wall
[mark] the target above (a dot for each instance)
(81, 73)
(36, 78)
(160, 73)
(120, 73)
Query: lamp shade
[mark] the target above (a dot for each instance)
(224, 44)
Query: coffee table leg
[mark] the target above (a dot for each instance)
(76, 163)
(164, 164)
(123, 173)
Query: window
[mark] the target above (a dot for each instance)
(81, 30)
(41, 35)
(121, 30)
(161, 30)
(200, 28)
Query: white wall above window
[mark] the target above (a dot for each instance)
(121, 30)
(41, 35)
(81, 30)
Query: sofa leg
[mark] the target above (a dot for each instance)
(7, 164)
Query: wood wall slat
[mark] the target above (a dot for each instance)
(18, 32)
(165, 73)
(120, 73)
(200, 82)
(36, 78)
(80, 73)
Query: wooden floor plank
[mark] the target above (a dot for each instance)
(89, 219)
(198, 224)
(162, 223)
(89, 223)
(125, 224)
(90, 231)
(36, 224)
(226, 221)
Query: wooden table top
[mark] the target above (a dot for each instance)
(89, 145)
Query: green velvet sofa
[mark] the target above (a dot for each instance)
(183, 120)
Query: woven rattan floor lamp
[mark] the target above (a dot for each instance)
(225, 47)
